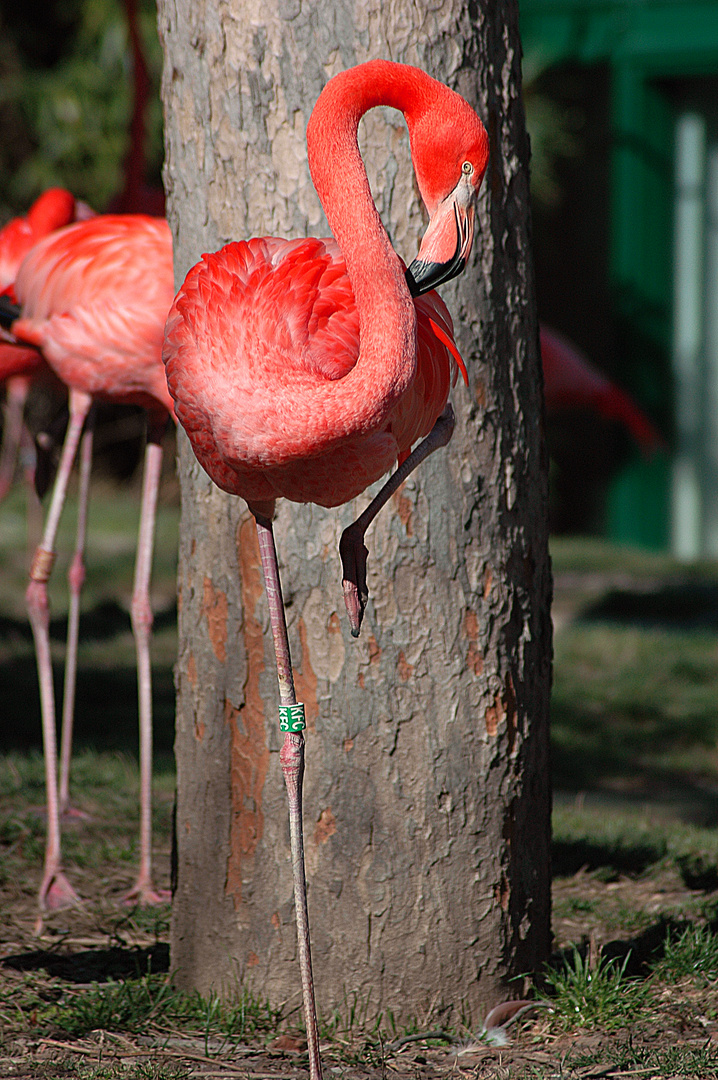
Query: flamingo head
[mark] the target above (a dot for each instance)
(450, 161)
(53, 209)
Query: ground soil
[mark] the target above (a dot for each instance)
(79, 947)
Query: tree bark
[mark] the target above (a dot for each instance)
(427, 795)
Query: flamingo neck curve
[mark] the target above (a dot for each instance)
(387, 317)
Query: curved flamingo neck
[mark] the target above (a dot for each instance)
(386, 311)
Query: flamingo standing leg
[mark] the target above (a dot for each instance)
(15, 398)
(291, 757)
(351, 546)
(76, 579)
(55, 890)
(142, 891)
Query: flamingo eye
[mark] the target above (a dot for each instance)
(467, 167)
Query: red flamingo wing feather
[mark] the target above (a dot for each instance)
(252, 327)
(437, 370)
(53, 209)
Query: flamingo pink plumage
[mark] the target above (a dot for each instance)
(304, 369)
(20, 366)
(94, 297)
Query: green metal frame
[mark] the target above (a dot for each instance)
(643, 41)
(659, 37)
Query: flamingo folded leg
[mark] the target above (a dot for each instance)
(351, 546)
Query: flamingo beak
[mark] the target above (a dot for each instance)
(447, 242)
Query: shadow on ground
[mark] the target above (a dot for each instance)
(106, 703)
(94, 965)
(639, 953)
(634, 705)
(682, 606)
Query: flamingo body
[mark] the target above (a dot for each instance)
(259, 325)
(94, 296)
(20, 366)
(572, 382)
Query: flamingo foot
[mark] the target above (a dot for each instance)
(354, 554)
(56, 893)
(143, 894)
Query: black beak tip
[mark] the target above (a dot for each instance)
(8, 312)
(422, 277)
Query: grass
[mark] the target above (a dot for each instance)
(691, 955)
(106, 713)
(633, 984)
(598, 994)
(134, 1005)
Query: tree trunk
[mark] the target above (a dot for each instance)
(427, 786)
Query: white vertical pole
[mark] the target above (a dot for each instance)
(710, 493)
(688, 333)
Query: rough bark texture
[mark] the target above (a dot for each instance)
(427, 785)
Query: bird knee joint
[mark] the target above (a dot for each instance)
(141, 615)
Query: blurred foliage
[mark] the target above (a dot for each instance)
(554, 130)
(66, 97)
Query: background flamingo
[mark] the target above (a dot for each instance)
(304, 368)
(94, 297)
(572, 382)
(20, 366)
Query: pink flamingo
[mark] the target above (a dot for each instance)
(572, 382)
(304, 368)
(20, 367)
(94, 297)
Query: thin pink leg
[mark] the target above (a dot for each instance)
(76, 579)
(291, 757)
(351, 546)
(142, 892)
(55, 890)
(15, 397)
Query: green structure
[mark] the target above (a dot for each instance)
(660, 58)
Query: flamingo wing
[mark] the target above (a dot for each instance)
(253, 326)
(18, 360)
(436, 372)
